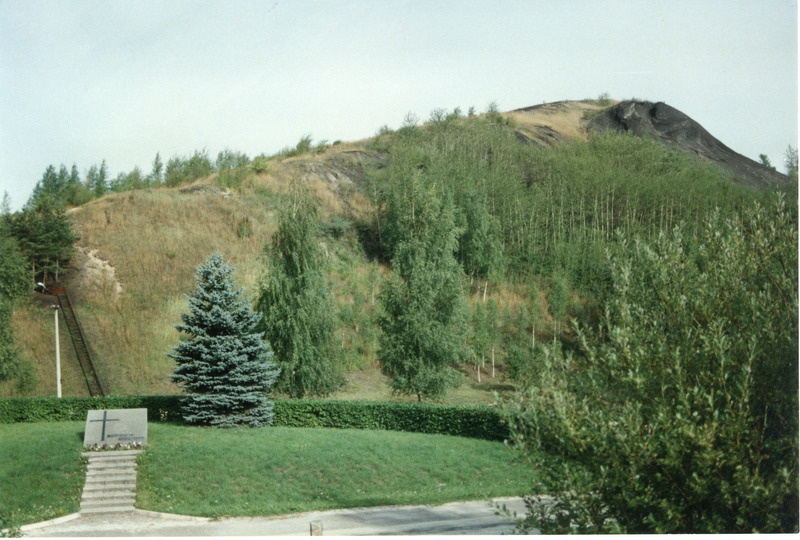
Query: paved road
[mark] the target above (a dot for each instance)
(454, 518)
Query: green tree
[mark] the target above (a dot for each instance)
(224, 364)
(101, 187)
(5, 206)
(15, 284)
(790, 162)
(75, 192)
(230, 166)
(558, 300)
(97, 179)
(157, 175)
(425, 320)
(51, 185)
(181, 170)
(129, 181)
(295, 302)
(44, 235)
(680, 416)
(485, 334)
(479, 247)
(230, 159)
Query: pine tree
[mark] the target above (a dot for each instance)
(224, 364)
(45, 236)
(297, 309)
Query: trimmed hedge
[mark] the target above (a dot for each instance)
(477, 422)
(458, 420)
(49, 409)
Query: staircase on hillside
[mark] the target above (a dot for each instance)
(79, 343)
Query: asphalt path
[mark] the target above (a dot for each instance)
(461, 518)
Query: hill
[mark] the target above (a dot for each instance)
(554, 191)
(674, 128)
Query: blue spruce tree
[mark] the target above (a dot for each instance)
(224, 364)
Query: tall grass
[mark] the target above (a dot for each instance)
(34, 329)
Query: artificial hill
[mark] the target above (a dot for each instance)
(552, 186)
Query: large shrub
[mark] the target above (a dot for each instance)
(680, 416)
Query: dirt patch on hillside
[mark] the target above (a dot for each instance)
(96, 275)
(552, 123)
(675, 129)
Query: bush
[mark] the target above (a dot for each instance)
(260, 164)
(680, 416)
(456, 420)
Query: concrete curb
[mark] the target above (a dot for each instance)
(467, 517)
(172, 517)
(54, 521)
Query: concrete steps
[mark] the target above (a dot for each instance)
(110, 482)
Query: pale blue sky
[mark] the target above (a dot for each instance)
(87, 80)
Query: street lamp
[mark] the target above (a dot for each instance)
(58, 353)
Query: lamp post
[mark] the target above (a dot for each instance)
(58, 353)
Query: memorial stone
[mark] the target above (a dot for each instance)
(115, 427)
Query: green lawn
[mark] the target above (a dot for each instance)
(258, 472)
(41, 470)
(270, 471)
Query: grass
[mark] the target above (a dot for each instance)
(274, 471)
(258, 472)
(42, 473)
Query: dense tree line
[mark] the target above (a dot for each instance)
(67, 188)
(680, 413)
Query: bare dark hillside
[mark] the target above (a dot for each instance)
(675, 129)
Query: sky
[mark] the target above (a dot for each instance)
(82, 81)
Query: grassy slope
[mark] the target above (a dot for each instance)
(154, 239)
